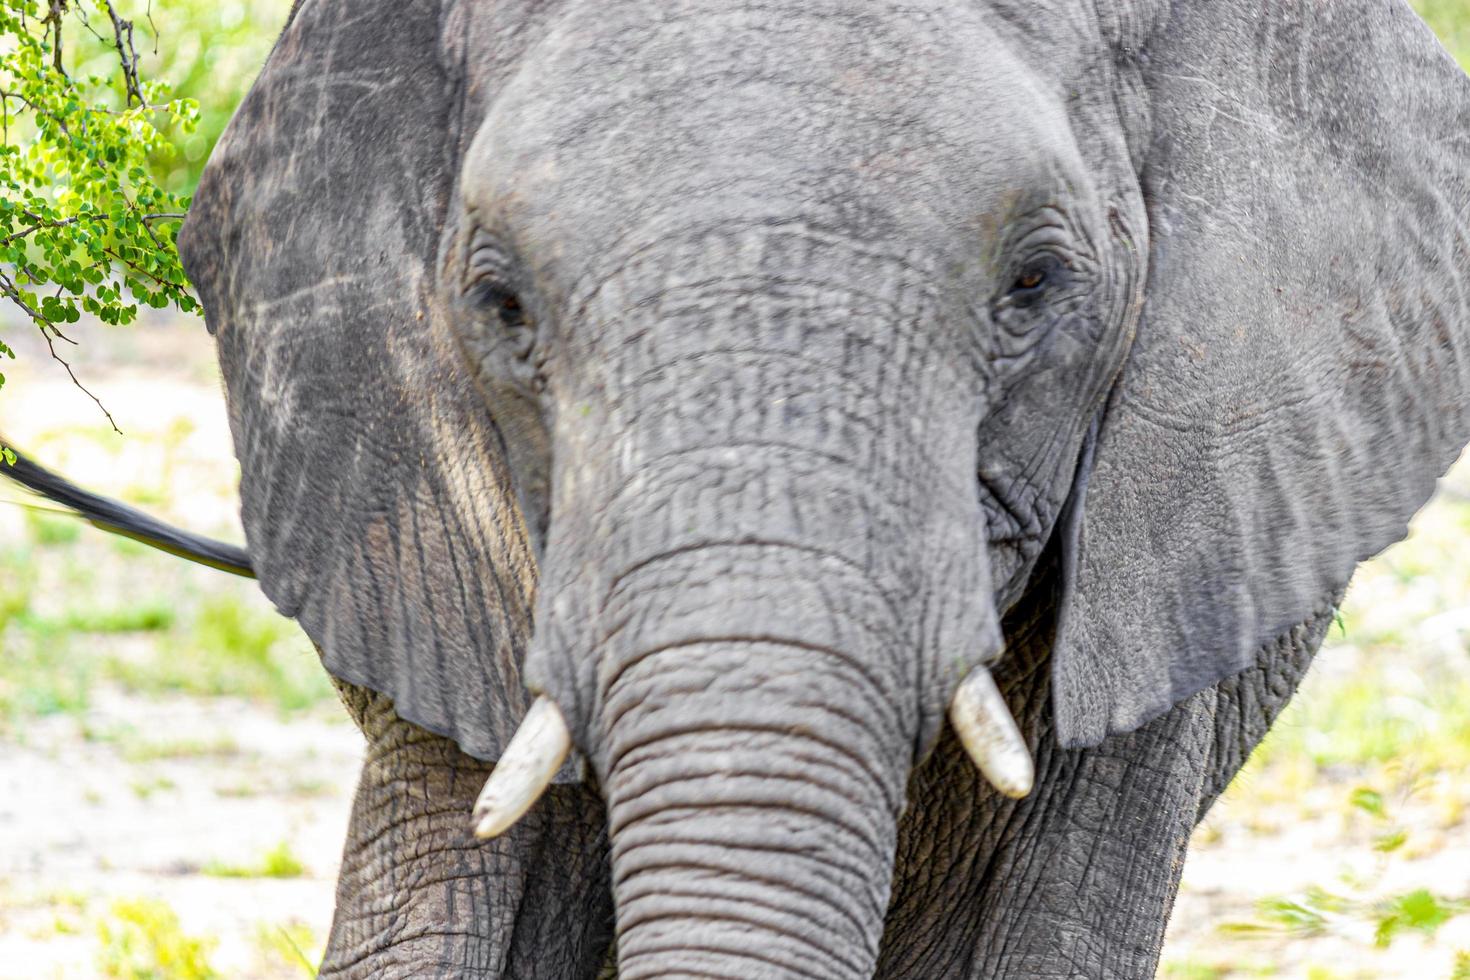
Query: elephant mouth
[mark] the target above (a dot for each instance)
(979, 714)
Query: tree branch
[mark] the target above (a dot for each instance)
(52, 25)
(126, 53)
(6, 95)
(43, 225)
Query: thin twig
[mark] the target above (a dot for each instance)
(8, 289)
(152, 26)
(42, 224)
(122, 36)
(51, 24)
(82, 14)
(17, 236)
(38, 110)
(142, 271)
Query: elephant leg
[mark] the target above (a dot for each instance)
(1078, 879)
(419, 896)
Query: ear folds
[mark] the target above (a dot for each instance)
(375, 491)
(1301, 374)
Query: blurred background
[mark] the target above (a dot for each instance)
(175, 770)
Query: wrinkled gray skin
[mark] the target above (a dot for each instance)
(742, 375)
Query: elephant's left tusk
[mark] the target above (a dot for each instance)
(989, 734)
(526, 767)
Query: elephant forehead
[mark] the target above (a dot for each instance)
(918, 123)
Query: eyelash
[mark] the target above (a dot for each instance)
(490, 298)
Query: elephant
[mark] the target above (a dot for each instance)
(897, 459)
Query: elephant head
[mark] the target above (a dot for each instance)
(720, 373)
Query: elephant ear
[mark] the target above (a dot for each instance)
(375, 494)
(1301, 374)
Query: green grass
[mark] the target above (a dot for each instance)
(1192, 970)
(41, 675)
(151, 616)
(278, 862)
(209, 637)
(292, 946)
(134, 749)
(228, 648)
(1317, 912)
(141, 939)
(1377, 716)
(1215, 969)
(51, 531)
(1420, 910)
(141, 495)
(75, 602)
(144, 789)
(128, 548)
(17, 583)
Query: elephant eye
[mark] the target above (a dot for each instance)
(500, 312)
(1034, 280)
(494, 297)
(487, 290)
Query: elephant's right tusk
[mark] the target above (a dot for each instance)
(526, 767)
(989, 734)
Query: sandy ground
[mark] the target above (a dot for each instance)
(87, 815)
(74, 822)
(137, 794)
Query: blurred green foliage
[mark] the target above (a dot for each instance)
(229, 648)
(278, 862)
(223, 642)
(211, 52)
(1318, 911)
(1451, 21)
(288, 944)
(208, 53)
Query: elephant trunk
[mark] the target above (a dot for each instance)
(757, 703)
(754, 768)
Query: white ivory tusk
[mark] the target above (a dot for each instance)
(989, 734)
(526, 767)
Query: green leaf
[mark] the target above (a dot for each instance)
(1420, 910)
(1370, 801)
